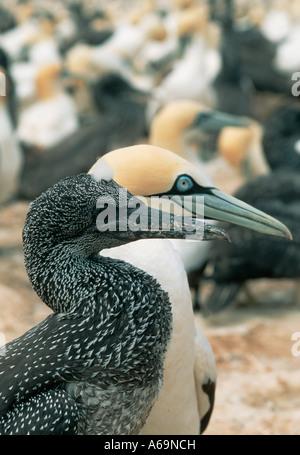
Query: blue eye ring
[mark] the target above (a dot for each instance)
(184, 183)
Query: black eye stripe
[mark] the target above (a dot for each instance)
(195, 189)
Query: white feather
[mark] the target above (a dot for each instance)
(189, 360)
(10, 157)
(102, 171)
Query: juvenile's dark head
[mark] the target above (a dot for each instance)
(61, 234)
(66, 214)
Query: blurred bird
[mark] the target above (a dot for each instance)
(257, 56)
(276, 24)
(7, 20)
(10, 87)
(43, 48)
(27, 28)
(117, 53)
(11, 158)
(234, 88)
(287, 59)
(192, 130)
(121, 122)
(92, 29)
(248, 46)
(195, 70)
(252, 255)
(242, 148)
(187, 396)
(281, 139)
(52, 117)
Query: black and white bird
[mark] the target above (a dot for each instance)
(186, 399)
(94, 366)
(252, 255)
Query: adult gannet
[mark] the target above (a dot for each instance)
(222, 143)
(230, 268)
(186, 399)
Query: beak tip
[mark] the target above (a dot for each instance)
(228, 238)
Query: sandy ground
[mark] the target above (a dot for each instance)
(258, 390)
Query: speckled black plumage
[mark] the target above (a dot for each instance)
(95, 365)
(253, 255)
(281, 139)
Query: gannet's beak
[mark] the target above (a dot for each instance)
(211, 121)
(144, 222)
(220, 206)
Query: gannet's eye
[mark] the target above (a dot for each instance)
(184, 183)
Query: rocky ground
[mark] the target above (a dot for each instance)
(258, 389)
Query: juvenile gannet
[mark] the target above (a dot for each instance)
(95, 365)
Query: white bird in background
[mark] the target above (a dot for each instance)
(53, 116)
(44, 48)
(192, 74)
(14, 40)
(11, 158)
(187, 395)
(287, 58)
(118, 53)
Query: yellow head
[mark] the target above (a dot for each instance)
(193, 20)
(170, 124)
(233, 144)
(146, 170)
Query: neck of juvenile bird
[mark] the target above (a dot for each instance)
(64, 278)
(55, 278)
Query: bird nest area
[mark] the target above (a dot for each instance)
(258, 388)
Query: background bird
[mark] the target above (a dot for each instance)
(281, 139)
(120, 122)
(11, 157)
(52, 117)
(251, 255)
